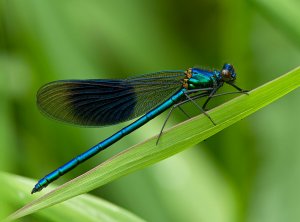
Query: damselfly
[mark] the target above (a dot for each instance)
(98, 102)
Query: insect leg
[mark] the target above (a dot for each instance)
(211, 95)
(178, 105)
(238, 88)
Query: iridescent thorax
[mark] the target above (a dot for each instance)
(200, 78)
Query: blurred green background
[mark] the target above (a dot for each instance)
(248, 172)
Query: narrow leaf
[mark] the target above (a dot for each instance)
(14, 192)
(174, 140)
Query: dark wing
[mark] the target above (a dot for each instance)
(106, 102)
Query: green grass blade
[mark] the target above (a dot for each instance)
(176, 139)
(14, 193)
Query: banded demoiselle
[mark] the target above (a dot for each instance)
(105, 102)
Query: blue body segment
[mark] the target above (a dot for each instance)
(109, 141)
(105, 102)
(202, 78)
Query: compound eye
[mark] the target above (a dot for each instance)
(226, 73)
